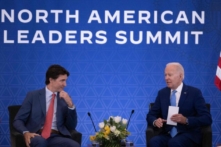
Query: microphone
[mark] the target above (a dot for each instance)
(129, 118)
(124, 142)
(89, 114)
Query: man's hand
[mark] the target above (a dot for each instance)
(179, 118)
(67, 98)
(159, 122)
(28, 137)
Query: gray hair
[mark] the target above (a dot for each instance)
(178, 66)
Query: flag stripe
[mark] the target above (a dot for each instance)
(219, 63)
(218, 83)
(218, 74)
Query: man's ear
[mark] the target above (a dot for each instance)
(50, 80)
(181, 76)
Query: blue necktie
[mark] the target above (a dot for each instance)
(173, 131)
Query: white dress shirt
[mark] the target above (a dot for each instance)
(48, 100)
(178, 93)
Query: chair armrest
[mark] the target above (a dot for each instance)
(206, 136)
(75, 135)
(151, 132)
(17, 139)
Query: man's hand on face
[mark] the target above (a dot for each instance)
(159, 122)
(28, 137)
(67, 98)
(179, 118)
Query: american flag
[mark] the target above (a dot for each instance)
(218, 74)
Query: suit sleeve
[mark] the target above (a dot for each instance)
(71, 121)
(203, 116)
(23, 114)
(155, 111)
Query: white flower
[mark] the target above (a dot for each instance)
(124, 121)
(117, 119)
(113, 128)
(117, 132)
(101, 125)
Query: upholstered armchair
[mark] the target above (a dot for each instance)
(17, 139)
(206, 132)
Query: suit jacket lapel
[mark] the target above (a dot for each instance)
(183, 95)
(42, 100)
(167, 100)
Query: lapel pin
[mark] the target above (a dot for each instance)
(185, 92)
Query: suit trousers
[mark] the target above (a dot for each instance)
(55, 140)
(165, 140)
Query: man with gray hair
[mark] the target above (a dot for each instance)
(192, 111)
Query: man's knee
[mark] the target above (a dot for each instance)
(181, 142)
(38, 141)
(174, 143)
(75, 144)
(71, 143)
(154, 142)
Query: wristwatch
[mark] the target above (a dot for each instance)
(187, 122)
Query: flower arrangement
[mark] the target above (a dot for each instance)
(112, 132)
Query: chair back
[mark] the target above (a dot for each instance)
(13, 110)
(208, 106)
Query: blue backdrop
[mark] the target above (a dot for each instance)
(116, 52)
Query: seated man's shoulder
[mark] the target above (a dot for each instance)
(164, 89)
(33, 92)
(191, 88)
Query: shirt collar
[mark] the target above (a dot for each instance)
(179, 88)
(49, 92)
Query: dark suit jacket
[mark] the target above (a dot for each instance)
(32, 114)
(191, 105)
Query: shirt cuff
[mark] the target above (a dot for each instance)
(72, 108)
(24, 132)
(153, 123)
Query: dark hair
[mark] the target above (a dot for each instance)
(54, 71)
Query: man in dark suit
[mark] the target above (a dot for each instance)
(191, 116)
(34, 113)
